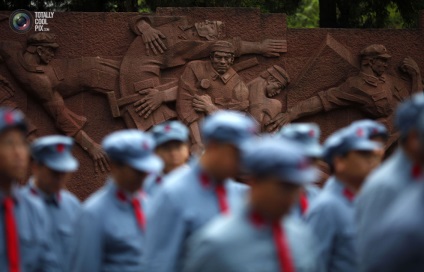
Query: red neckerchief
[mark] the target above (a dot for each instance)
(349, 194)
(416, 172)
(280, 242)
(138, 212)
(220, 192)
(304, 203)
(12, 238)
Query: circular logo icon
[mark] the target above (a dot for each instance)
(21, 21)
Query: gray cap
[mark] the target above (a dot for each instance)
(372, 128)
(55, 152)
(306, 134)
(134, 148)
(170, 131)
(280, 158)
(228, 127)
(10, 118)
(345, 140)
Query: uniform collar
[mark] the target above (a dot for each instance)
(373, 80)
(206, 181)
(224, 78)
(54, 199)
(122, 198)
(15, 194)
(257, 220)
(412, 170)
(340, 189)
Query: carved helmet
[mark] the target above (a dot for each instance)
(43, 39)
(375, 50)
(223, 46)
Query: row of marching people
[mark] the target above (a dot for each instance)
(160, 211)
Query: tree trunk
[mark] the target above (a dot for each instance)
(327, 13)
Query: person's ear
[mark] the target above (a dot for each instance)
(339, 164)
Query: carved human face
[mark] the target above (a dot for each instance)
(14, 155)
(48, 180)
(379, 66)
(45, 53)
(174, 154)
(222, 61)
(208, 29)
(273, 86)
(273, 198)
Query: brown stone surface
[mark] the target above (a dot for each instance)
(316, 60)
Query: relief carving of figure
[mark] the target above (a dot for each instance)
(372, 91)
(209, 85)
(31, 68)
(263, 107)
(164, 42)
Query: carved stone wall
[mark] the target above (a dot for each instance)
(87, 67)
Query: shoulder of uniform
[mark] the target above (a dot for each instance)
(325, 202)
(197, 63)
(96, 201)
(70, 197)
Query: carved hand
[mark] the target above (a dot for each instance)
(99, 157)
(278, 121)
(152, 39)
(203, 103)
(410, 66)
(272, 48)
(196, 149)
(152, 100)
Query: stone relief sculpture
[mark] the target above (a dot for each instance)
(372, 91)
(165, 42)
(209, 85)
(140, 90)
(263, 107)
(31, 68)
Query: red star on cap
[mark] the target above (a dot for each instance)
(60, 148)
(145, 145)
(8, 118)
(360, 132)
(303, 164)
(311, 133)
(167, 128)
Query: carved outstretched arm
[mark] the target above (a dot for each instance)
(307, 107)
(411, 67)
(267, 48)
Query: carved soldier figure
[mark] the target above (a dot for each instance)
(263, 107)
(165, 42)
(210, 85)
(40, 80)
(372, 91)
